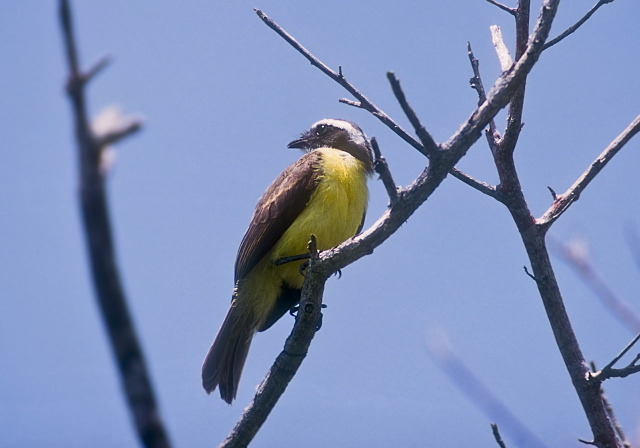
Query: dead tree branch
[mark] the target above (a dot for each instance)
(127, 350)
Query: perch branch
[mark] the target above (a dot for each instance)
(288, 361)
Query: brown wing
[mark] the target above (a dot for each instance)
(278, 207)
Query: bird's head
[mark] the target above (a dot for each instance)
(339, 134)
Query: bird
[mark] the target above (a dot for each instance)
(324, 194)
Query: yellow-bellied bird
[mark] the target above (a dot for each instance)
(323, 194)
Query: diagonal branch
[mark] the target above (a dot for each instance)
(572, 29)
(564, 201)
(127, 351)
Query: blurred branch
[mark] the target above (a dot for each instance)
(582, 265)
(564, 201)
(633, 240)
(478, 393)
(578, 24)
(111, 297)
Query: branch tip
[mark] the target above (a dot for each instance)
(512, 11)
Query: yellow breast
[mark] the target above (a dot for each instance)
(333, 214)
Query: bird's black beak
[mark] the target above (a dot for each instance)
(300, 143)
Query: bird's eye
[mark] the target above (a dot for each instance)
(321, 129)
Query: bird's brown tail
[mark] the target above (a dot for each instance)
(224, 362)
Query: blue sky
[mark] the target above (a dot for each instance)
(221, 95)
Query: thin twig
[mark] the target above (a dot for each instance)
(578, 24)
(511, 11)
(497, 436)
(425, 137)
(608, 370)
(492, 134)
(382, 168)
(134, 376)
(564, 201)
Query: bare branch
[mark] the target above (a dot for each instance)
(126, 348)
(511, 11)
(381, 167)
(609, 372)
(578, 24)
(564, 201)
(497, 436)
(493, 136)
(427, 140)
